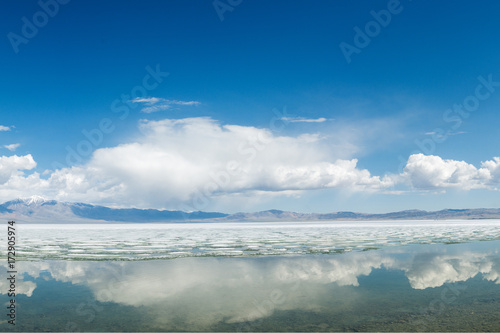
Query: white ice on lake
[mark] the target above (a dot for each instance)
(165, 241)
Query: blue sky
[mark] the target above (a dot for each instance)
(271, 71)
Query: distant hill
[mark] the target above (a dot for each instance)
(445, 214)
(40, 210)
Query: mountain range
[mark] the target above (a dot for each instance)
(37, 209)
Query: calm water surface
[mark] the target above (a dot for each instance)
(426, 287)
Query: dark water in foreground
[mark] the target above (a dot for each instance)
(411, 288)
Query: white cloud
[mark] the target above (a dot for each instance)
(186, 161)
(180, 160)
(292, 284)
(258, 288)
(189, 163)
(4, 128)
(303, 120)
(12, 147)
(147, 100)
(433, 269)
(441, 135)
(185, 103)
(156, 108)
(22, 287)
(493, 168)
(11, 166)
(429, 172)
(155, 104)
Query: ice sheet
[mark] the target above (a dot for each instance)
(164, 241)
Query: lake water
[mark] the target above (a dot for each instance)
(410, 276)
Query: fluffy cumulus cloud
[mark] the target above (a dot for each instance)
(188, 163)
(188, 160)
(433, 172)
(493, 168)
(12, 166)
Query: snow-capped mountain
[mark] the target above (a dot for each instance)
(33, 200)
(37, 209)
